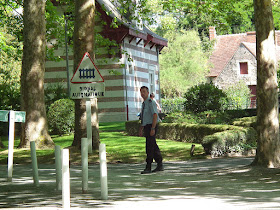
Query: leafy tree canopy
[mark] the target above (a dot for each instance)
(183, 64)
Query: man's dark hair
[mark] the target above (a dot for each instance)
(145, 88)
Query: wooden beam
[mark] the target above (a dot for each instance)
(149, 39)
(131, 39)
(139, 41)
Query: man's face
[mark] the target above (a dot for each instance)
(144, 93)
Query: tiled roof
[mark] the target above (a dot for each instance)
(226, 46)
(251, 47)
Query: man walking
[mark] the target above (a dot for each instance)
(149, 119)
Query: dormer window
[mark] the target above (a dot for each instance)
(243, 67)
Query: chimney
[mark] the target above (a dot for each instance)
(212, 33)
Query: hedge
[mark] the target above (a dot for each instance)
(192, 133)
(230, 141)
(246, 122)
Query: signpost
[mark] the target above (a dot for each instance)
(4, 115)
(12, 117)
(87, 83)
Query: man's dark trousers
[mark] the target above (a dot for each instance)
(152, 149)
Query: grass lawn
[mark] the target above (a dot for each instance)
(120, 148)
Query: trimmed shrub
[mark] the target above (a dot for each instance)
(204, 97)
(193, 133)
(246, 122)
(61, 117)
(230, 141)
(132, 127)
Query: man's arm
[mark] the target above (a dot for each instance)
(154, 124)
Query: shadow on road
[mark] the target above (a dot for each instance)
(230, 182)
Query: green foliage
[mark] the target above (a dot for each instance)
(228, 16)
(246, 122)
(10, 67)
(182, 64)
(61, 117)
(170, 105)
(180, 117)
(212, 117)
(204, 97)
(11, 19)
(238, 96)
(229, 141)
(193, 133)
(53, 93)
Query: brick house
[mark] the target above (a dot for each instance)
(123, 77)
(234, 59)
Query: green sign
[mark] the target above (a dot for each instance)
(19, 116)
(4, 115)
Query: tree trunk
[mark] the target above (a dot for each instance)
(84, 42)
(32, 75)
(268, 149)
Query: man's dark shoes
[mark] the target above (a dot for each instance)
(147, 170)
(158, 168)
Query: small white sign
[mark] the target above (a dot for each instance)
(87, 90)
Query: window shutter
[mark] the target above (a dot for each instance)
(243, 68)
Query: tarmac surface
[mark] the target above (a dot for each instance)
(222, 183)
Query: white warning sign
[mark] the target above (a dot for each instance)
(87, 72)
(87, 82)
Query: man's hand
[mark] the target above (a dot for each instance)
(141, 131)
(153, 132)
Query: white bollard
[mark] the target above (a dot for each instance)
(58, 167)
(65, 179)
(89, 128)
(84, 151)
(103, 172)
(11, 145)
(34, 163)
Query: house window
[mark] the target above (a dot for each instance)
(152, 70)
(243, 67)
(130, 67)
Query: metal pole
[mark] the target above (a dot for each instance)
(65, 179)
(84, 164)
(11, 144)
(89, 127)
(67, 59)
(34, 163)
(58, 167)
(103, 172)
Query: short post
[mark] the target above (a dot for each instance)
(103, 172)
(65, 179)
(34, 163)
(84, 151)
(11, 144)
(192, 150)
(89, 128)
(58, 167)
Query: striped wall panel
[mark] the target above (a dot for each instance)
(113, 107)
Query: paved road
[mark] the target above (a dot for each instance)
(198, 184)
